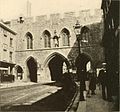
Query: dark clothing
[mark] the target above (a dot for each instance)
(92, 85)
(82, 77)
(102, 78)
(104, 92)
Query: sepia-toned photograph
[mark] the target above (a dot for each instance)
(59, 55)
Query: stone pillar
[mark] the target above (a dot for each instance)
(38, 71)
(14, 73)
(25, 74)
(9, 70)
(44, 75)
(47, 77)
(52, 43)
(60, 42)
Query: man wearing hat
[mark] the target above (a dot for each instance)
(102, 77)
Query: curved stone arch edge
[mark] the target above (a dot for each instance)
(52, 55)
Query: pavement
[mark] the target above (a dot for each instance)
(15, 84)
(95, 104)
(20, 83)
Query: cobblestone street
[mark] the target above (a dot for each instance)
(95, 104)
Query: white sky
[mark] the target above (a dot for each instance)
(10, 9)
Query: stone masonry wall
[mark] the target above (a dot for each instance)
(55, 22)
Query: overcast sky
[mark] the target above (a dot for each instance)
(10, 9)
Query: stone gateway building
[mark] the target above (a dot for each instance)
(46, 48)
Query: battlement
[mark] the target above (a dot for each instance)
(69, 14)
(83, 14)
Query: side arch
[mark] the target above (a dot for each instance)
(31, 65)
(19, 72)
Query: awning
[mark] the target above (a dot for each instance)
(4, 64)
(3, 68)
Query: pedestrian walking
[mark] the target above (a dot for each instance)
(82, 78)
(92, 85)
(102, 77)
(87, 82)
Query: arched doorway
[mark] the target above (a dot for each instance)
(56, 63)
(19, 72)
(32, 69)
(82, 61)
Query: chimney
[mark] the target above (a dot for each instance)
(28, 9)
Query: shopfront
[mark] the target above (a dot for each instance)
(6, 72)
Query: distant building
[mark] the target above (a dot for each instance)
(28, 8)
(7, 52)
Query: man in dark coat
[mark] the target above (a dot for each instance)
(102, 77)
(82, 79)
(92, 85)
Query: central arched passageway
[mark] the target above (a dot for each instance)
(32, 69)
(56, 64)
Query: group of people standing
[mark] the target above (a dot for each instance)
(102, 78)
(89, 80)
(87, 83)
(91, 83)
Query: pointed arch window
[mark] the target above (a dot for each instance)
(29, 38)
(65, 37)
(47, 38)
(85, 31)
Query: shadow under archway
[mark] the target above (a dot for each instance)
(82, 60)
(32, 68)
(19, 72)
(56, 66)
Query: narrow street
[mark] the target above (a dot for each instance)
(39, 97)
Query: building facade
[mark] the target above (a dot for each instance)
(46, 47)
(111, 46)
(7, 52)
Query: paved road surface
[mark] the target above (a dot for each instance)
(28, 97)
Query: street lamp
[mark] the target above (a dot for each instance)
(79, 30)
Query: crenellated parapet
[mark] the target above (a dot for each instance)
(84, 16)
